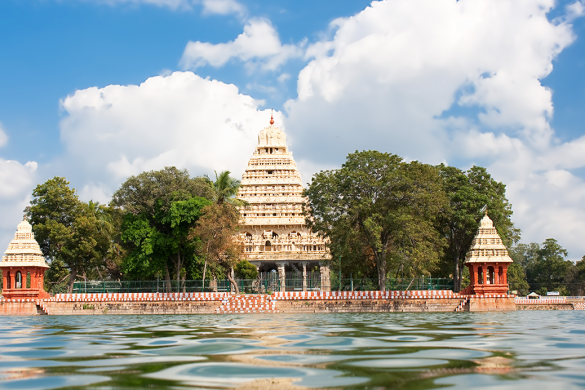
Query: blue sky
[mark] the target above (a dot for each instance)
(87, 91)
(52, 48)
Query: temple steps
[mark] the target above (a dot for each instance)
(247, 304)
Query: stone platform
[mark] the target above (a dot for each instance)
(278, 302)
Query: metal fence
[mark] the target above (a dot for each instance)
(395, 284)
(266, 283)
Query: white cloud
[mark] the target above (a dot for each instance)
(433, 80)
(3, 136)
(16, 183)
(173, 4)
(283, 77)
(178, 120)
(223, 7)
(259, 44)
(391, 75)
(15, 178)
(218, 7)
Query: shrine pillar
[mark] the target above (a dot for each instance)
(325, 278)
(282, 277)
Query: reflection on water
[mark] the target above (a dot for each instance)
(533, 350)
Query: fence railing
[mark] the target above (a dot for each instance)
(396, 284)
(266, 283)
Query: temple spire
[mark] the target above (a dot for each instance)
(272, 117)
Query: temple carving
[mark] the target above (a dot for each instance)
(488, 261)
(275, 235)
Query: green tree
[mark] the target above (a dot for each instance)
(84, 245)
(550, 268)
(246, 270)
(580, 277)
(546, 267)
(517, 279)
(159, 210)
(468, 192)
(525, 255)
(53, 202)
(217, 242)
(378, 210)
(225, 188)
(71, 233)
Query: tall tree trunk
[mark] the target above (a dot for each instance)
(167, 277)
(204, 270)
(381, 260)
(72, 277)
(456, 273)
(233, 281)
(179, 269)
(461, 267)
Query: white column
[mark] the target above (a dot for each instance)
(304, 264)
(325, 278)
(282, 276)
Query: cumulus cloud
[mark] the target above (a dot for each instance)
(259, 44)
(434, 80)
(455, 81)
(3, 136)
(223, 7)
(178, 120)
(218, 7)
(16, 183)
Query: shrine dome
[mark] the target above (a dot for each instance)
(487, 246)
(23, 250)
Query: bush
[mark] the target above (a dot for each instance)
(246, 270)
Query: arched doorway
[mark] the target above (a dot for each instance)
(490, 275)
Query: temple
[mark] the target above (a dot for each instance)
(23, 259)
(487, 261)
(286, 253)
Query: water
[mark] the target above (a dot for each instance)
(516, 350)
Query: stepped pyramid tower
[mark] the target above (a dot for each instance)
(23, 257)
(487, 261)
(274, 233)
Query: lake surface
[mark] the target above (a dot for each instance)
(517, 350)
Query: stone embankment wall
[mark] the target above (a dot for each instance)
(505, 303)
(549, 303)
(368, 305)
(128, 308)
(547, 306)
(281, 302)
(18, 308)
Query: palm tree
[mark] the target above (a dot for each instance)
(225, 189)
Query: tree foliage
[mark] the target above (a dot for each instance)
(216, 232)
(246, 270)
(517, 279)
(468, 193)
(71, 233)
(547, 269)
(159, 210)
(378, 210)
(225, 188)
